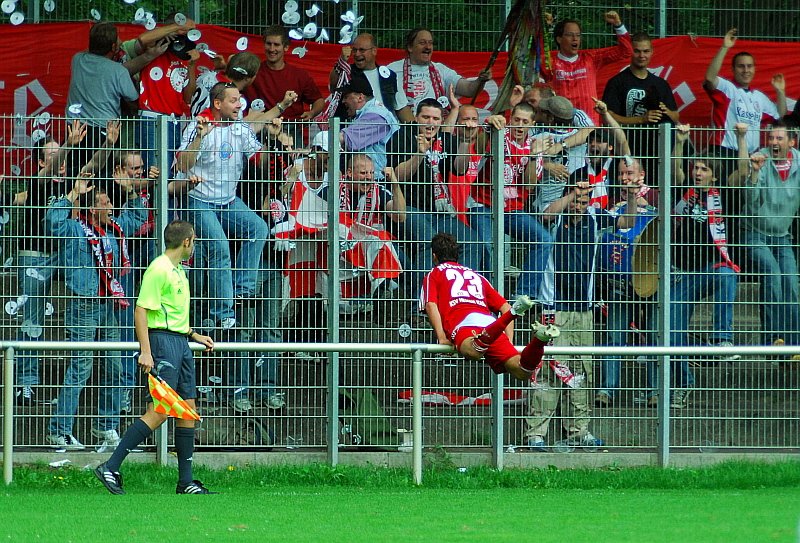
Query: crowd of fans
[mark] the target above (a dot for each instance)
(248, 167)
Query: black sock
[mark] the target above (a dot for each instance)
(184, 446)
(134, 435)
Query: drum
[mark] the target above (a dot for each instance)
(645, 261)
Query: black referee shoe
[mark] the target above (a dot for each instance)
(195, 487)
(112, 480)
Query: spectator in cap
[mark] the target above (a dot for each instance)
(372, 127)
(383, 81)
(556, 115)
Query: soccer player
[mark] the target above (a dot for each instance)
(161, 319)
(461, 305)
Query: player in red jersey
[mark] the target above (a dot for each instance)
(462, 307)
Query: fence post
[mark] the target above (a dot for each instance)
(34, 12)
(416, 413)
(161, 205)
(661, 18)
(160, 200)
(8, 416)
(664, 294)
(194, 11)
(498, 267)
(334, 293)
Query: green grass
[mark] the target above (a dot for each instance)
(730, 502)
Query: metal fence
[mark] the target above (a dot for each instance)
(727, 399)
(458, 25)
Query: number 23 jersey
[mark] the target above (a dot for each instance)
(458, 292)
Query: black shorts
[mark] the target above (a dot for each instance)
(173, 361)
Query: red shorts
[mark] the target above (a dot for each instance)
(498, 352)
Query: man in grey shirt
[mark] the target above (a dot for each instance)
(99, 84)
(770, 186)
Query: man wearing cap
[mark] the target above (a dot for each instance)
(567, 154)
(372, 127)
(382, 79)
(574, 72)
(275, 77)
(421, 78)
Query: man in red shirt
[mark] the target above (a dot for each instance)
(275, 77)
(574, 73)
(461, 305)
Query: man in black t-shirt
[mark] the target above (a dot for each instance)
(423, 158)
(638, 98)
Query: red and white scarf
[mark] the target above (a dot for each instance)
(109, 285)
(366, 209)
(716, 223)
(436, 82)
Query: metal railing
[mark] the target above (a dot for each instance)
(416, 351)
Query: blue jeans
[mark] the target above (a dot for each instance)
(89, 320)
(524, 228)
(416, 233)
(772, 258)
(146, 140)
(260, 323)
(623, 309)
(36, 287)
(143, 253)
(214, 224)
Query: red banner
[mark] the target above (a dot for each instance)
(35, 74)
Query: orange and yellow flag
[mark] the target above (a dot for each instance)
(168, 402)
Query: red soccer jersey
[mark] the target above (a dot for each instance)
(162, 84)
(458, 292)
(577, 80)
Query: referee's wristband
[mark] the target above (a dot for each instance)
(190, 334)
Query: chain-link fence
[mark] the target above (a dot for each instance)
(459, 25)
(543, 214)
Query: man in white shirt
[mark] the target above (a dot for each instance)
(214, 150)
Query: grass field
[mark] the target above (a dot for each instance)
(727, 503)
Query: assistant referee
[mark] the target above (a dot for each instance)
(162, 326)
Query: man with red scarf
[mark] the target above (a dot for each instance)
(420, 78)
(94, 256)
(701, 258)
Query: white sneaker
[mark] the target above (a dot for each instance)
(109, 438)
(728, 357)
(241, 404)
(227, 323)
(276, 401)
(680, 398)
(68, 442)
(521, 305)
(545, 332)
